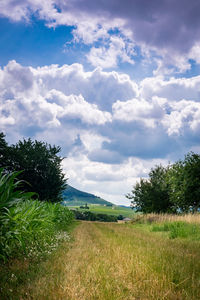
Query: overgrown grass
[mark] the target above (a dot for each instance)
(30, 231)
(160, 218)
(19, 272)
(115, 262)
(179, 229)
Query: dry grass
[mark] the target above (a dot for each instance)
(112, 262)
(160, 218)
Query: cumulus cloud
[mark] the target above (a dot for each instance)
(138, 110)
(27, 102)
(108, 126)
(174, 89)
(97, 87)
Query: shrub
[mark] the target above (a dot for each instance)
(28, 226)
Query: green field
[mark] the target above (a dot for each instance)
(115, 210)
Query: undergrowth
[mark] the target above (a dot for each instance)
(179, 229)
(28, 227)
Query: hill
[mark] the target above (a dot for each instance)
(74, 197)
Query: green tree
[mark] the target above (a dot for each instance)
(41, 167)
(152, 195)
(184, 182)
(3, 150)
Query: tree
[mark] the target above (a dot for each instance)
(152, 195)
(3, 150)
(184, 182)
(41, 167)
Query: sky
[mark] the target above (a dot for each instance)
(115, 83)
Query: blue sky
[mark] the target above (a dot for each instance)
(115, 84)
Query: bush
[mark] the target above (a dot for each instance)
(28, 227)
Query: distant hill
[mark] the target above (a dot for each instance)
(74, 197)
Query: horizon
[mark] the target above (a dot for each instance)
(116, 86)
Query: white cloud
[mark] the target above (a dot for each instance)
(148, 25)
(76, 107)
(184, 118)
(98, 87)
(174, 89)
(111, 182)
(117, 49)
(107, 149)
(138, 110)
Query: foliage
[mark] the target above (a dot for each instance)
(41, 167)
(32, 227)
(27, 226)
(152, 195)
(9, 190)
(120, 217)
(3, 150)
(175, 188)
(184, 181)
(89, 216)
(84, 206)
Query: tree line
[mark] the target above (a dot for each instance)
(171, 189)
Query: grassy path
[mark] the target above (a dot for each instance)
(112, 261)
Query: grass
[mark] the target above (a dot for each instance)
(117, 210)
(109, 261)
(160, 218)
(16, 273)
(179, 229)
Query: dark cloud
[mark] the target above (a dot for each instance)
(170, 25)
(106, 156)
(134, 139)
(162, 24)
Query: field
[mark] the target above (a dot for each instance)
(116, 210)
(110, 261)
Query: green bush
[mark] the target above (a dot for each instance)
(28, 227)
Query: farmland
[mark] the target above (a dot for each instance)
(115, 210)
(114, 261)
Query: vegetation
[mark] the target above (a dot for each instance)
(89, 216)
(109, 210)
(41, 167)
(84, 206)
(175, 188)
(111, 262)
(27, 226)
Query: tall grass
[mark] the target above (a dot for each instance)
(177, 226)
(115, 262)
(179, 229)
(160, 218)
(28, 227)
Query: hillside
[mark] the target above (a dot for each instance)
(74, 197)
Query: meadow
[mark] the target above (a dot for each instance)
(110, 261)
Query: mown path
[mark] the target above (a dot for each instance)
(112, 261)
